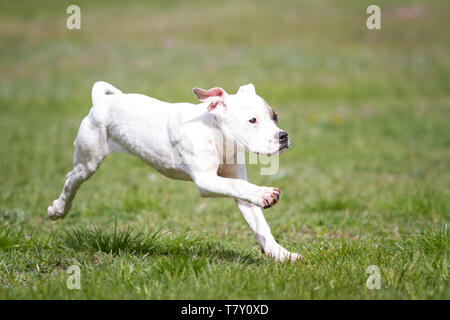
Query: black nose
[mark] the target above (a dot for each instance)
(283, 137)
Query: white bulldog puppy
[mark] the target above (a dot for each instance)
(199, 143)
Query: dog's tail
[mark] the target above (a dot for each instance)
(100, 89)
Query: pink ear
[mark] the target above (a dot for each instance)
(213, 105)
(202, 95)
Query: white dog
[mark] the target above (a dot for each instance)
(186, 142)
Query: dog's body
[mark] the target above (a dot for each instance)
(186, 142)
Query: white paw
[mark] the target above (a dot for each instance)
(56, 211)
(266, 197)
(280, 254)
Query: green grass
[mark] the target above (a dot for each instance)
(366, 181)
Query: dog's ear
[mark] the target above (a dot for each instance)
(215, 96)
(248, 88)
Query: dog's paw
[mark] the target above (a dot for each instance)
(268, 197)
(56, 211)
(294, 257)
(280, 254)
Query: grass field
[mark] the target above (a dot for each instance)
(365, 182)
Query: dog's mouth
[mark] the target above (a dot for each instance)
(280, 150)
(283, 148)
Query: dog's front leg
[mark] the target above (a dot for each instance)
(212, 185)
(257, 223)
(254, 217)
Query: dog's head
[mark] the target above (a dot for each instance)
(245, 118)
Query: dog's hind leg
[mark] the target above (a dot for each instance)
(90, 148)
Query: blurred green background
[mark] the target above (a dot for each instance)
(365, 182)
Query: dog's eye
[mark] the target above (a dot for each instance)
(252, 120)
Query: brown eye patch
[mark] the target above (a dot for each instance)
(275, 117)
(273, 114)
